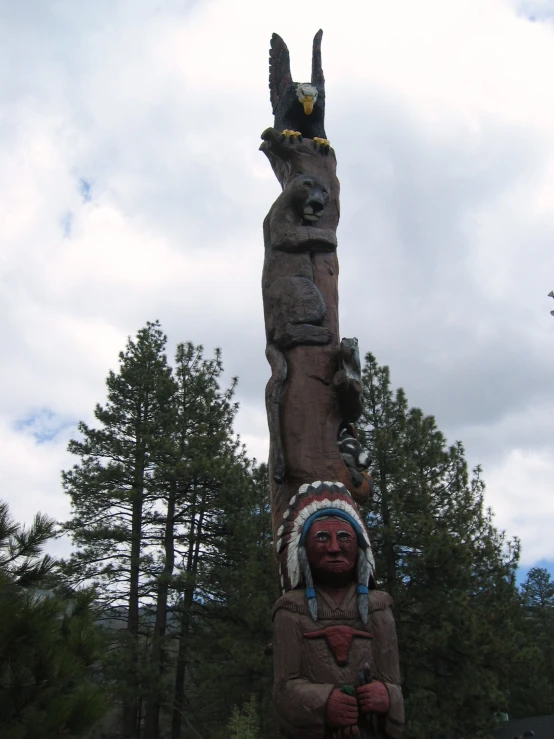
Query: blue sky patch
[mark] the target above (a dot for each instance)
(44, 425)
(85, 188)
(67, 222)
(546, 564)
(536, 10)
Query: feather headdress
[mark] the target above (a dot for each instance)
(310, 503)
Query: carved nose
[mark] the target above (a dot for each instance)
(314, 207)
(316, 204)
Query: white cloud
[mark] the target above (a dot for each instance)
(520, 489)
(443, 124)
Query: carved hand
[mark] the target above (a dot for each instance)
(373, 697)
(341, 710)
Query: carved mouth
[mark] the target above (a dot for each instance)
(309, 214)
(336, 564)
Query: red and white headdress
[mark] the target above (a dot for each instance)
(310, 503)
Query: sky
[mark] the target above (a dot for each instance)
(132, 189)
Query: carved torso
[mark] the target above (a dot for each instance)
(307, 669)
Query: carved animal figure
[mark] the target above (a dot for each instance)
(294, 308)
(306, 199)
(348, 381)
(299, 108)
(354, 455)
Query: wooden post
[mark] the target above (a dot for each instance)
(307, 404)
(341, 679)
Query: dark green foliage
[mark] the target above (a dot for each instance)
(200, 477)
(49, 644)
(450, 572)
(113, 497)
(172, 526)
(112, 487)
(538, 600)
(21, 560)
(234, 623)
(244, 723)
(532, 683)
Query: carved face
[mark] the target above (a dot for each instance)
(310, 196)
(332, 548)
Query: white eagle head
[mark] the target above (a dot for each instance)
(307, 94)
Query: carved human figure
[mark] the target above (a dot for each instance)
(335, 651)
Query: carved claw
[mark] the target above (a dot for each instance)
(278, 467)
(292, 136)
(356, 476)
(322, 144)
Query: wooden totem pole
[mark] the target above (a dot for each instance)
(335, 654)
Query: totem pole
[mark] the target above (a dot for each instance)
(334, 647)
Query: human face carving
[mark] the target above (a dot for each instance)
(332, 549)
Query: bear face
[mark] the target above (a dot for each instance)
(308, 195)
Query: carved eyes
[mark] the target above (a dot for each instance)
(325, 536)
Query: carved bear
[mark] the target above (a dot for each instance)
(348, 381)
(294, 308)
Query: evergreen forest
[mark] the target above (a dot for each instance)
(158, 624)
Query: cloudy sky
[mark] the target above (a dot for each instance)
(131, 188)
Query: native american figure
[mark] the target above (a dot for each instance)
(299, 108)
(335, 651)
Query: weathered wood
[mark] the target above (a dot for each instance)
(306, 409)
(317, 465)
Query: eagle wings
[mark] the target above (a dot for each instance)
(285, 94)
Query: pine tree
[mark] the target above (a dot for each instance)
(201, 464)
(49, 644)
(450, 572)
(244, 722)
(21, 560)
(113, 494)
(532, 678)
(207, 463)
(154, 498)
(538, 600)
(234, 629)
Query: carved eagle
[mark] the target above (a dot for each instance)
(297, 106)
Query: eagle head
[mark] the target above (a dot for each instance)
(307, 94)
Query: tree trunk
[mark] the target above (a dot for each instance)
(131, 727)
(389, 553)
(188, 599)
(154, 700)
